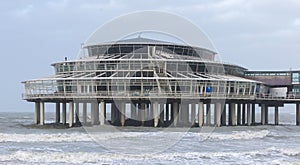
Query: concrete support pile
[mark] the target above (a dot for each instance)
(84, 113)
(248, 114)
(175, 111)
(200, 114)
(297, 114)
(239, 114)
(102, 113)
(276, 117)
(193, 113)
(208, 114)
(37, 113)
(155, 113)
(42, 113)
(162, 116)
(232, 116)
(218, 114)
(223, 117)
(57, 113)
(64, 113)
(253, 114)
(244, 114)
(71, 114)
(263, 114)
(167, 112)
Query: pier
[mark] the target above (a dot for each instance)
(145, 82)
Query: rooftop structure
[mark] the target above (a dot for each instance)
(165, 84)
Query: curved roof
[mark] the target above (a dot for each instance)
(146, 41)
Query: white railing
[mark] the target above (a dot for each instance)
(134, 94)
(137, 94)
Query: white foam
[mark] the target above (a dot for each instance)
(85, 157)
(73, 137)
(239, 135)
(286, 151)
(65, 137)
(58, 137)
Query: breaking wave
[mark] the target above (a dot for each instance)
(65, 137)
(178, 158)
(74, 137)
(240, 135)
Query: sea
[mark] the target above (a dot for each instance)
(23, 143)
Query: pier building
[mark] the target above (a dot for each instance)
(147, 82)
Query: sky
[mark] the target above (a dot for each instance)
(256, 34)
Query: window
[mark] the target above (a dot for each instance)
(295, 78)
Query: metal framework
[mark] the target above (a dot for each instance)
(144, 70)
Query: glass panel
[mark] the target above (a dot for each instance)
(295, 77)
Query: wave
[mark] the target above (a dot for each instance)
(240, 135)
(58, 137)
(234, 135)
(248, 157)
(66, 137)
(286, 151)
(74, 137)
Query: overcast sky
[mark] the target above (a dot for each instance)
(256, 34)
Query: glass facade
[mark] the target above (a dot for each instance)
(295, 78)
(140, 70)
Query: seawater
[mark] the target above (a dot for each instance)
(20, 144)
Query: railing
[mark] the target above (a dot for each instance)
(135, 94)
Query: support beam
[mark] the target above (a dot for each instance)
(102, 112)
(147, 114)
(133, 111)
(276, 118)
(142, 113)
(185, 108)
(208, 114)
(42, 113)
(172, 113)
(239, 112)
(193, 113)
(113, 113)
(64, 113)
(37, 113)
(267, 114)
(93, 113)
(218, 114)
(71, 114)
(223, 117)
(253, 114)
(200, 114)
(96, 113)
(57, 113)
(229, 114)
(297, 114)
(151, 114)
(248, 114)
(155, 109)
(167, 112)
(84, 113)
(232, 114)
(175, 111)
(263, 114)
(77, 121)
(162, 113)
(122, 113)
(244, 114)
